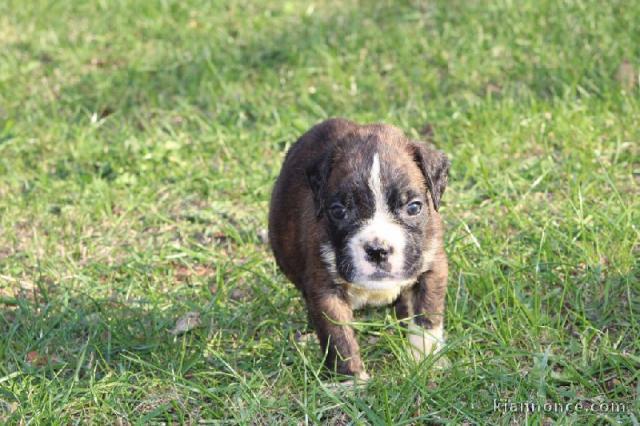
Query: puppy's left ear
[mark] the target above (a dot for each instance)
(434, 165)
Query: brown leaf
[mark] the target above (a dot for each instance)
(203, 271)
(183, 272)
(39, 360)
(32, 357)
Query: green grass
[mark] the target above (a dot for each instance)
(138, 145)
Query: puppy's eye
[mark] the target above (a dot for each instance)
(337, 211)
(414, 207)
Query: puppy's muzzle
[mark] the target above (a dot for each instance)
(378, 251)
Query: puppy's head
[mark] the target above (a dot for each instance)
(376, 192)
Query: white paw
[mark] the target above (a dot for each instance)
(424, 342)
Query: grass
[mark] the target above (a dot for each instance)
(138, 145)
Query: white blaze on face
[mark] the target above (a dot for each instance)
(381, 227)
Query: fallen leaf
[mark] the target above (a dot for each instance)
(185, 323)
(204, 271)
(38, 360)
(183, 272)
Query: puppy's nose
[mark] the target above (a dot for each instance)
(377, 251)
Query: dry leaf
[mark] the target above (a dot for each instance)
(183, 272)
(32, 357)
(185, 323)
(203, 271)
(38, 360)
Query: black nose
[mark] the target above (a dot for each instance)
(377, 252)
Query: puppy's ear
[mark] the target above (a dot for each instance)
(434, 165)
(317, 178)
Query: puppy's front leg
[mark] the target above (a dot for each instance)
(424, 303)
(331, 315)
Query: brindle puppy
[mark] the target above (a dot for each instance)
(353, 222)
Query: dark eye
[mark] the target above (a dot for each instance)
(337, 211)
(414, 208)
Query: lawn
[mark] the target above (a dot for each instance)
(139, 141)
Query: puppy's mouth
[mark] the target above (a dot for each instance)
(381, 278)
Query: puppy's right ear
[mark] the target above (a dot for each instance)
(317, 178)
(435, 166)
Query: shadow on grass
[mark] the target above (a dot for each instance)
(226, 73)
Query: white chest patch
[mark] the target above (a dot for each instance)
(360, 297)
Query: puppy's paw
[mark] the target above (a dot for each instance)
(423, 342)
(362, 377)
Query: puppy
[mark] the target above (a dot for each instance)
(354, 222)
